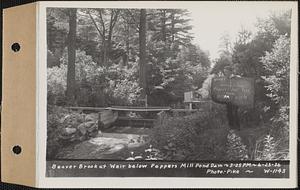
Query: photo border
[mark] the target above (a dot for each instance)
(79, 182)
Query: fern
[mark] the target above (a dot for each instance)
(236, 150)
(268, 149)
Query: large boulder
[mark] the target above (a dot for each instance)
(72, 120)
(68, 134)
(70, 131)
(78, 127)
(91, 117)
(89, 129)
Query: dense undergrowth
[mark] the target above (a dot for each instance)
(206, 136)
(65, 128)
(198, 136)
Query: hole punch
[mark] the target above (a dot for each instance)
(16, 47)
(17, 149)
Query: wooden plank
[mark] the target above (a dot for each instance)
(139, 109)
(120, 108)
(87, 108)
(186, 110)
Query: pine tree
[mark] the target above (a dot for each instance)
(71, 55)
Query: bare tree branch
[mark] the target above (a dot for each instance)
(134, 20)
(111, 20)
(115, 17)
(102, 21)
(96, 26)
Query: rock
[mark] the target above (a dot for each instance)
(90, 124)
(79, 118)
(69, 131)
(67, 138)
(88, 127)
(82, 138)
(94, 134)
(93, 128)
(68, 134)
(62, 120)
(82, 128)
(72, 120)
(91, 117)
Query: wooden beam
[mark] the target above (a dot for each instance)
(139, 109)
(87, 108)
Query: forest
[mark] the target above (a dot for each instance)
(122, 57)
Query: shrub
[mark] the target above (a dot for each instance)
(200, 136)
(277, 63)
(56, 84)
(65, 128)
(123, 87)
(236, 150)
(95, 85)
(148, 154)
(87, 71)
(270, 149)
(54, 115)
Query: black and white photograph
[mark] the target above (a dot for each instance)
(168, 92)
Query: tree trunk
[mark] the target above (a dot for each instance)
(104, 52)
(164, 35)
(173, 26)
(71, 56)
(163, 26)
(109, 45)
(142, 55)
(127, 39)
(109, 37)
